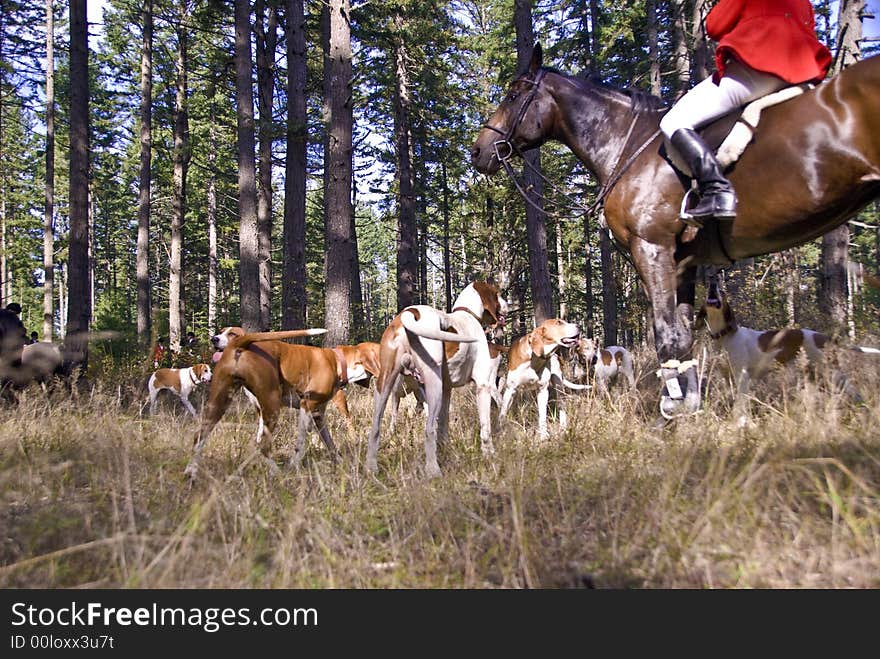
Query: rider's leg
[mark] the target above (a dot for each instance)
(701, 105)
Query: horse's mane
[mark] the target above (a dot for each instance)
(640, 100)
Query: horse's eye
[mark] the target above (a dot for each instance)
(511, 96)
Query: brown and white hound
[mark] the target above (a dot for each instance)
(271, 370)
(752, 353)
(181, 381)
(222, 339)
(441, 350)
(533, 363)
(607, 364)
(364, 366)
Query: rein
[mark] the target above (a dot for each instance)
(505, 142)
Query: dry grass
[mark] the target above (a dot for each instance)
(93, 495)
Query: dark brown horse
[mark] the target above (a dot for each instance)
(813, 163)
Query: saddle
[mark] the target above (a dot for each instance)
(731, 134)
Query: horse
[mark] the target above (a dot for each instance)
(814, 162)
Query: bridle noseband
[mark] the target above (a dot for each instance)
(520, 114)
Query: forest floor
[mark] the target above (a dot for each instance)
(93, 495)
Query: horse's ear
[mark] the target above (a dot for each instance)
(537, 59)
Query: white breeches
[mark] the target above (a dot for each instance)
(708, 101)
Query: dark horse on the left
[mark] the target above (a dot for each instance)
(814, 162)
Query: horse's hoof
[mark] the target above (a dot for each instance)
(433, 471)
(372, 466)
(672, 408)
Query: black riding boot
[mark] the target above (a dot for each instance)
(717, 198)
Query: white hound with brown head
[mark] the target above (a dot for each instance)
(533, 363)
(441, 350)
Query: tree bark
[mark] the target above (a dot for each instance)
(407, 231)
(609, 289)
(447, 261)
(266, 41)
(682, 54)
(180, 158)
(338, 174)
(653, 48)
(49, 215)
(293, 284)
(702, 57)
(249, 269)
(144, 303)
(835, 243)
(211, 195)
(78, 288)
(536, 228)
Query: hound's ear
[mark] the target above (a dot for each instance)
(536, 342)
(537, 59)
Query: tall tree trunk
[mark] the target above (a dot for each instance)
(447, 261)
(49, 214)
(249, 268)
(835, 243)
(357, 294)
(407, 231)
(338, 174)
(789, 260)
(144, 303)
(702, 58)
(3, 178)
(560, 270)
(78, 288)
(4, 274)
(180, 158)
(293, 284)
(589, 303)
(609, 290)
(267, 38)
(653, 48)
(536, 228)
(682, 54)
(212, 208)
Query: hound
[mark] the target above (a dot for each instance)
(607, 364)
(752, 353)
(179, 380)
(364, 366)
(533, 363)
(227, 334)
(271, 369)
(441, 350)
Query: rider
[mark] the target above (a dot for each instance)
(764, 45)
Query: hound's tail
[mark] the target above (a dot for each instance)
(571, 385)
(866, 349)
(410, 320)
(247, 339)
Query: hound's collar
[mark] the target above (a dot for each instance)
(730, 329)
(192, 376)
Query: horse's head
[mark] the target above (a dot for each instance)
(519, 123)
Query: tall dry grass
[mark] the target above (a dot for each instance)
(93, 495)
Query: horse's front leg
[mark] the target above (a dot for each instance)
(672, 305)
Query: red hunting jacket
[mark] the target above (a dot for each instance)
(774, 36)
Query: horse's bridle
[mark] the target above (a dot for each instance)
(520, 114)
